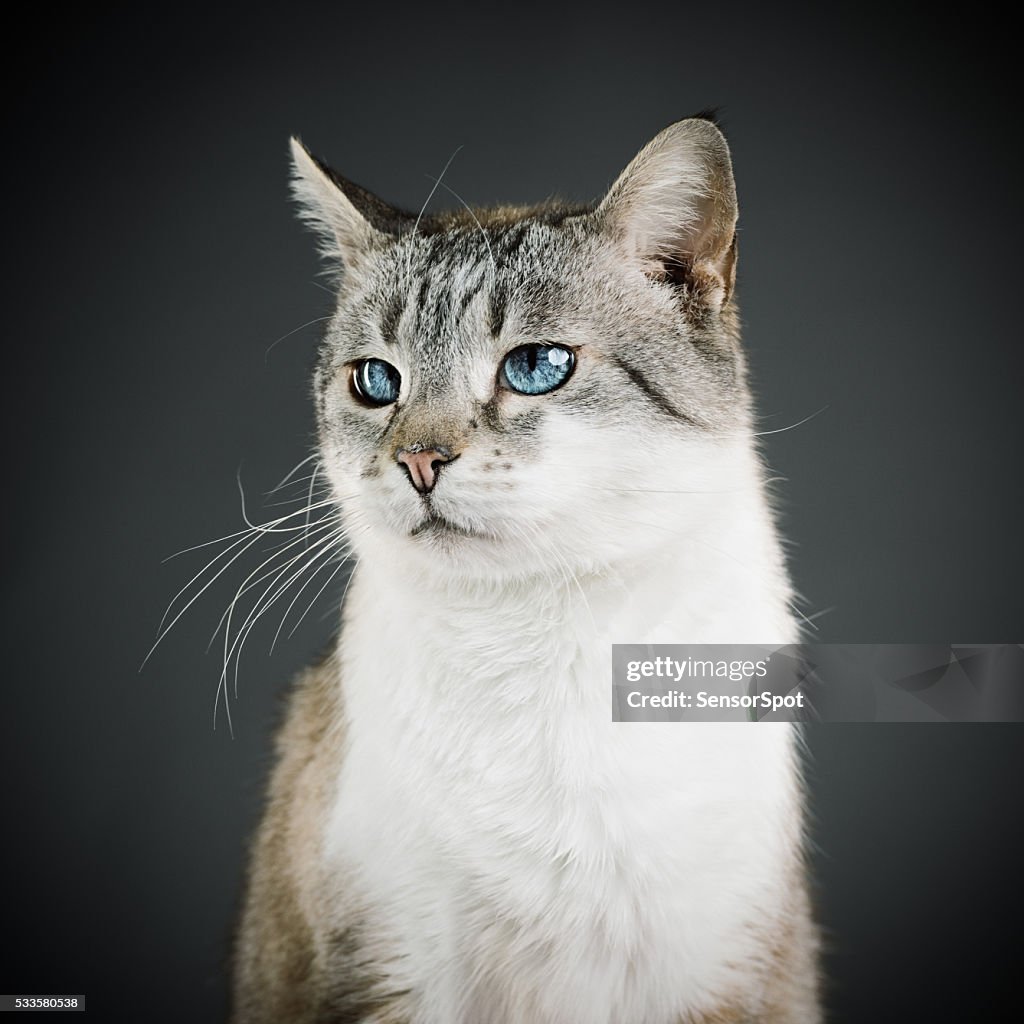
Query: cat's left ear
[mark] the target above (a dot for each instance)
(350, 221)
(673, 209)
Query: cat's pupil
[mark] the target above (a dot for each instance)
(537, 369)
(376, 382)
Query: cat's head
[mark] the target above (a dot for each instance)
(555, 388)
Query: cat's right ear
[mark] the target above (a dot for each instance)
(350, 222)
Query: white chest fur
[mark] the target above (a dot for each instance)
(521, 856)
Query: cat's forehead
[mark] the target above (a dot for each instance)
(511, 247)
(462, 283)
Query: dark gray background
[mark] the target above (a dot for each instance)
(152, 258)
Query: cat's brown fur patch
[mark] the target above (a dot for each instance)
(792, 995)
(276, 949)
(288, 966)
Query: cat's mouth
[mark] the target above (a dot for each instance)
(436, 525)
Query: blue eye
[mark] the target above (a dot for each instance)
(537, 369)
(376, 382)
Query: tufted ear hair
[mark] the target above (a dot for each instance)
(673, 209)
(350, 221)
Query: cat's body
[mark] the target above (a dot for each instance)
(457, 832)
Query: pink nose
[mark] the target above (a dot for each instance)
(423, 466)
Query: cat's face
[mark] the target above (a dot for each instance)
(509, 392)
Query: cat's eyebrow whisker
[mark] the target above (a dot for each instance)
(792, 426)
(301, 327)
(472, 213)
(766, 433)
(423, 208)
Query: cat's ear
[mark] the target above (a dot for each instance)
(674, 209)
(351, 222)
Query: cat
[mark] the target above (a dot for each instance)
(536, 427)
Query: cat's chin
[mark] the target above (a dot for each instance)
(456, 551)
(437, 527)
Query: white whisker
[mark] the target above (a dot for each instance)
(292, 472)
(234, 648)
(206, 587)
(341, 565)
(247, 585)
(312, 485)
(423, 208)
(298, 594)
(265, 603)
(284, 337)
(472, 213)
(252, 533)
